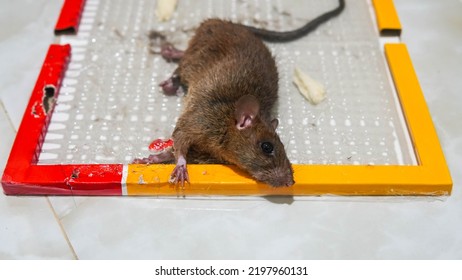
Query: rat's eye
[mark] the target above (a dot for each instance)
(267, 147)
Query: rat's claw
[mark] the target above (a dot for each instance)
(179, 176)
(180, 173)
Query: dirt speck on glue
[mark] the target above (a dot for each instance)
(141, 180)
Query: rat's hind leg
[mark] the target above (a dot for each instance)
(170, 53)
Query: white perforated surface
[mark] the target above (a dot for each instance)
(110, 106)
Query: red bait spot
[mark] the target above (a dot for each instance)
(158, 146)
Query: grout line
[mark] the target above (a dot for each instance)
(62, 228)
(2, 106)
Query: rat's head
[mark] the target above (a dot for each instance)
(256, 146)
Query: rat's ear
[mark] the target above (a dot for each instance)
(247, 108)
(275, 123)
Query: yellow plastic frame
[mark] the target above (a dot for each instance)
(387, 18)
(429, 177)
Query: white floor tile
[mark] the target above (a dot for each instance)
(327, 228)
(7, 137)
(63, 205)
(29, 230)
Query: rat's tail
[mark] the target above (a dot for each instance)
(285, 36)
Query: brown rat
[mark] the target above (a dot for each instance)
(231, 81)
(232, 87)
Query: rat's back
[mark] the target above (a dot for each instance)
(231, 61)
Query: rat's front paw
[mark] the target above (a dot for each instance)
(172, 86)
(180, 173)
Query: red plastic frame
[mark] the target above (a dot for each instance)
(69, 18)
(22, 174)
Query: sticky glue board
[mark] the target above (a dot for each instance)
(372, 135)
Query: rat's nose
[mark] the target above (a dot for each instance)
(283, 182)
(290, 183)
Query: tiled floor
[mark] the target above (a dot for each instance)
(310, 228)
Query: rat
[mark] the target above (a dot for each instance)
(231, 80)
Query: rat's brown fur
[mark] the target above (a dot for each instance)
(223, 63)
